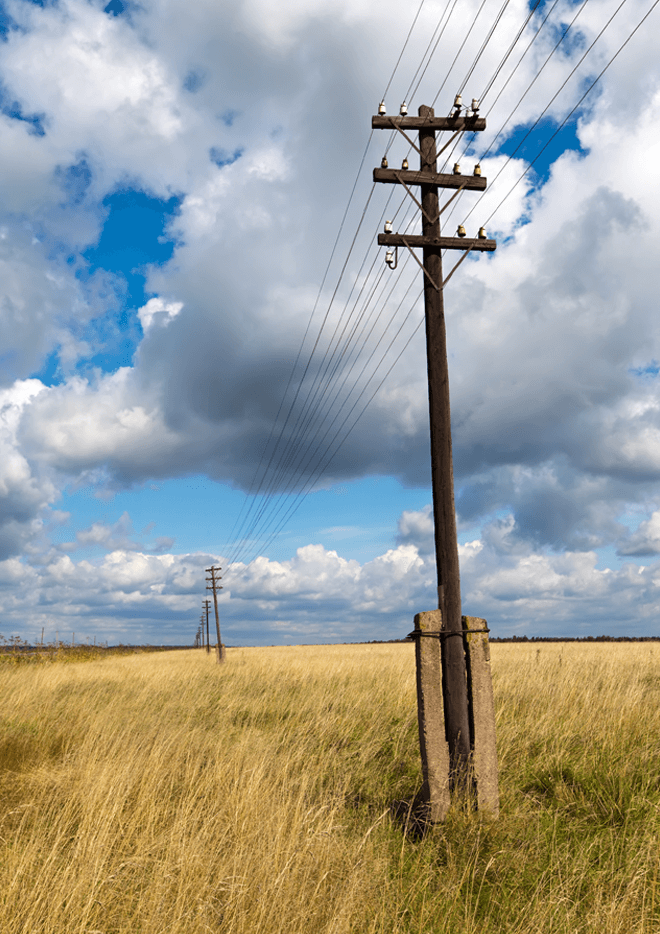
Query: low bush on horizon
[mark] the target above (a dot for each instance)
(164, 794)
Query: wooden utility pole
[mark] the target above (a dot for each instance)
(447, 625)
(207, 604)
(215, 586)
(201, 629)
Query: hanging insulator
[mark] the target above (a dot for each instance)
(388, 226)
(482, 233)
(404, 109)
(404, 164)
(457, 169)
(461, 231)
(381, 108)
(477, 169)
(389, 258)
(475, 105)
(383, 162)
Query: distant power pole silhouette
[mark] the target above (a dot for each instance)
(215, 586)
(207, 604)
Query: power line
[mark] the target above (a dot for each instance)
(552, 100)
(405, 45)
(541, 69)
(529, 87)
(483, 46)
(329, 454)
(462, 46)
(301, 453)
(501, 64)
(579, 103)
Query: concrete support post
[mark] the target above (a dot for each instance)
(482, 714)
(435, 794)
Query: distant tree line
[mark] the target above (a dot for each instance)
(535, 639)
(575, 639)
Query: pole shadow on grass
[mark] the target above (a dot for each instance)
(413, 816)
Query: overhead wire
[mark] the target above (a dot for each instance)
(533, 8)
(296, 471)
(527, 90)
(542, 68)
(405, 46)
(417, 78)
(482, 96)
(462, 46)
(484, 44)
(310, 357)
(550, 103)
(275, 475)
(576, 107)
(361, 331)
(293, 471)
(331, 454)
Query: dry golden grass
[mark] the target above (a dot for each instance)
(163, 794)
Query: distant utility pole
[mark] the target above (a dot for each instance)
(207, 604)
(215, 586)
(451, 631)
(201, 629)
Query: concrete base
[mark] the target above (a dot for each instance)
(432, 803)
(432, 743)
(482, 714)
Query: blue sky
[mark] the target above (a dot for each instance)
(164, 239)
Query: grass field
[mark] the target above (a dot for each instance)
(163, 794)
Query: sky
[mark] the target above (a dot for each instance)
(205, 360)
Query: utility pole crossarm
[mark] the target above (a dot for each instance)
(395, 177)
(444, 243)
(428, 123)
